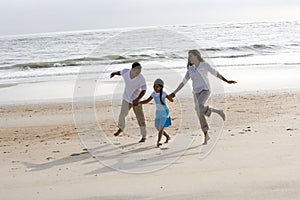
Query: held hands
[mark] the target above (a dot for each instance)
(135, 102)
(172, 95)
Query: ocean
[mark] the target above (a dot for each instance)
(233, 48)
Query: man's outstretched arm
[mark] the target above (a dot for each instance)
(115, 73)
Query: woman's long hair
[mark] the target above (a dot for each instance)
(197, 53)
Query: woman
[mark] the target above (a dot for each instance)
(197, 71)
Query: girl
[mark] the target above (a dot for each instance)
(197, 70)
(162, 118)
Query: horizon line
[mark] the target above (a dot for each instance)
(149, 26)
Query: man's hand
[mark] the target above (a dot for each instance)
(135, 102)
(115, 73)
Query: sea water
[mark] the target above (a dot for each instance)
(259, 56)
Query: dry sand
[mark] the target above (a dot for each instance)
(256, 157)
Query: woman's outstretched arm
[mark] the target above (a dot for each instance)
(225, 80)
(180, 86)
(169, 98)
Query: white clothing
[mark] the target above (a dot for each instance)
(133, 86)
(199, 76)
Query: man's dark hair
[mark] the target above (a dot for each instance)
(136, 64)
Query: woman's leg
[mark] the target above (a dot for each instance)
(201, 110)
(219, 112)
(206, 137)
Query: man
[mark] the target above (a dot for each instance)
(135, 89)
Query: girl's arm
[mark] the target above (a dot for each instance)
(169, 98)
(225, 80)
(146, 101)
(136, 101)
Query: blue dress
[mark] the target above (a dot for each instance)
(162, 115)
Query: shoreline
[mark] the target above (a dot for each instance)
(249, 80)
(107, 97)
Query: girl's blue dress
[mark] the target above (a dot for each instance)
(162, 115)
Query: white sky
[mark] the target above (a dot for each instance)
(35, 16)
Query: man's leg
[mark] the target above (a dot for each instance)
(123, 113)
(139, 113)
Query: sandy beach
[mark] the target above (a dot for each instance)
(256, 157)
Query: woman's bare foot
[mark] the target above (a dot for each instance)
(142, 140)
(221, 113)
(118, 132)
(206, 138)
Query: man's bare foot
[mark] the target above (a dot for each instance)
(118, 132)
(159, 144)
(142, 140)
(221, 113)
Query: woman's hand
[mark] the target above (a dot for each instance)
(170, 98)
(172, 95)
(231, 82)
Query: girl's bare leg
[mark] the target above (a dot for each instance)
(167, 136)
(160, 133)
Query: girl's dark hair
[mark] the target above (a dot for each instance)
(160, 94)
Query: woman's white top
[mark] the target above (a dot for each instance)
(199, 76)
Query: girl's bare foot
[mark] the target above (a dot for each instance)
(118, 132)
(167, 139)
